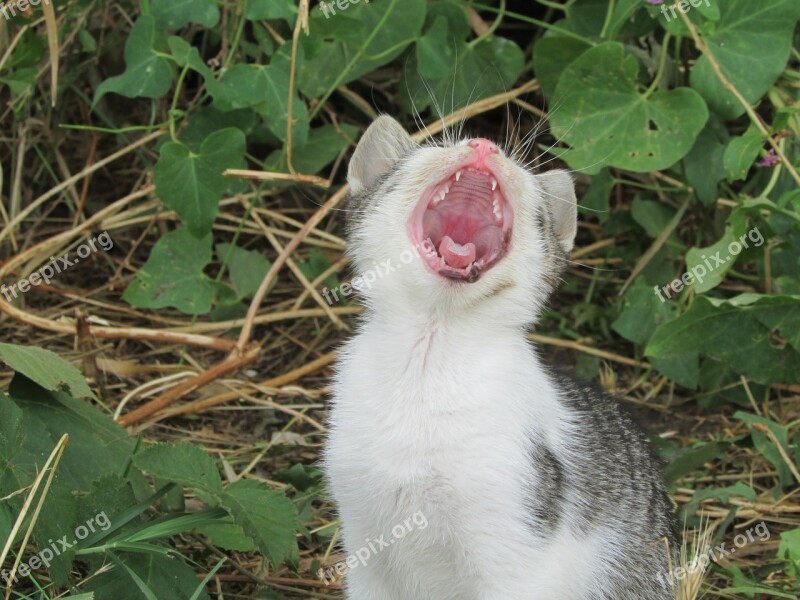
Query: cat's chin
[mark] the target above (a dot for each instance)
(465, 223)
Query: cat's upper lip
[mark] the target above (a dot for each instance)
(464, 221)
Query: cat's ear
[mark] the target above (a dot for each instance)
(382, 145)
(559, 196)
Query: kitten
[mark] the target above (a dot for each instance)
(532, 486)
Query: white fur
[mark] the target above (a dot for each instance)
(436, 401)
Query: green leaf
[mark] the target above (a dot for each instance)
(267, 516)
(45, 368)
(742, 152)
(174, 14)
(703, 165)
(698, 259)
(323, 146)
(136, 575)
(260, 10)
(552, 54)
(595, 201)
(724, 494)
(97, 444)
(766, 446)
(386, 29)
(192, 183)
(229, 536)
(456, 14)
(173, 275)
(752, 43)
(316, 265)
(687, 459)
(489, 68)
(607, 120)
(739, 332)
(789, 549)
(186, 464)
(436, 52)
(642, 312)
(266, 90)
(247, 269)
(148, 72)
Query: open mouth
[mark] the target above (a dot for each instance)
(464, 222)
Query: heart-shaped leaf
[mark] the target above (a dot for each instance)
(192, 183)
(607, 120)
(752, 43)
(148, 70)
(173, 275)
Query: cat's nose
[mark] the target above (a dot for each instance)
(483, 147)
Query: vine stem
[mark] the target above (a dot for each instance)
(609, 14)
(661, 64)
(492, 28)
(300, 23)
(715, 66)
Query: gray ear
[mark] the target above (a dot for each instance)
(559, 190)
(379, 149)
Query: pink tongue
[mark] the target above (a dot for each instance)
(456, 255)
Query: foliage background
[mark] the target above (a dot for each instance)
(123, 116)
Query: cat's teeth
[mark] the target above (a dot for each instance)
(458, 175)
(498, 214)
(494, 184)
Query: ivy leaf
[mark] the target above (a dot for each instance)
(174, 14)
(173, 275)
(148, 71)
(606, 120)
(752, 43)
(267, 516)
(192, 183)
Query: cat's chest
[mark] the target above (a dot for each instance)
(432, 416)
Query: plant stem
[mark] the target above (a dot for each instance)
(492, 28)
(662, 62)
(609, 14)
(544, 24)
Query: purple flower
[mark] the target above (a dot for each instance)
(770, 160)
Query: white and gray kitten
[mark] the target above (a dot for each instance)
(532, 486)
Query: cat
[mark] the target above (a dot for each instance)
(533, 486)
